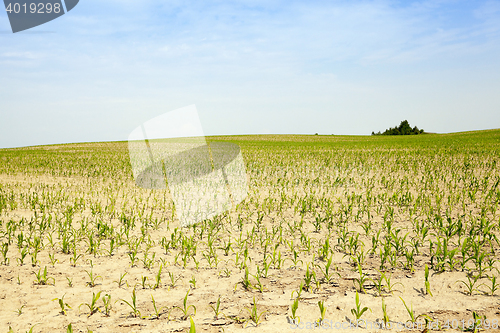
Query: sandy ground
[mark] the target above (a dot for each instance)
(24, 303)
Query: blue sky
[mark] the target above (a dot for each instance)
(251, 67)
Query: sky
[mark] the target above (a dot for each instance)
(251, 67)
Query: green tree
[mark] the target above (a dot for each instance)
(404, 128)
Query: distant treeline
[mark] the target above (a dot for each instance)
(403, 129)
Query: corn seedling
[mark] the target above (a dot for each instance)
(322, 311)
(216, 309)
(298, 291)
(23, 253)
(64, 306)
(379, 284)
(120, 281)
(173, 279)
(245, 281)
(143, 281)
(385, 317)
(133, 258)
(52, 258)
(133, 305)
(42, 278)
(358, 311)
(294, 319)
(19, 311)
(255, 316)
(327, 275)
(193, 282)
(258, 285)
(427, 283)
(494, 285)
(157, 311)
(476, 323)
(75, 257)
(185, 308)
(225, 272)
(361, 280)
(295, 260)
(106, 299)
(4, 249)
(93, 278)
(30, 330)
(411, 313)
(391, 287)
(158, 278)
(310, 275)
(470, 285)
(92, 306)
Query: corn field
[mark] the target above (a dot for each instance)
(335, 229)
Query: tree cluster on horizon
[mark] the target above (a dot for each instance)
(403, 129)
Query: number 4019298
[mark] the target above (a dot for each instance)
(33, 8)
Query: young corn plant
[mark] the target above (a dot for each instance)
(19, 311)
(379, 284)
(42, 278)
(4, 249)
(255, 316)
(158, 311)
(133, 257)
(427, 283)
(53, 260)
(30, 331)
(185, 308)
(92, 306)
(133, 305)
(75, 257)
(173, 279)
(23, 253)
(216, 309)
(294, 319)
(258, 285)
(477, 323)
(298, 291)
(389, 286)
(106, 299)
(120, 281)
(193, 282)
(308, 279)
(295, 260)
(93, 278)
(158, 278)
(358, 311)
(322, 311)
(494, 285)
(64, 306)
(385, 317)
(411, 313)
(361, 280)
(327, 274)
(470, 285)
(143, 281)
(245, 280)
